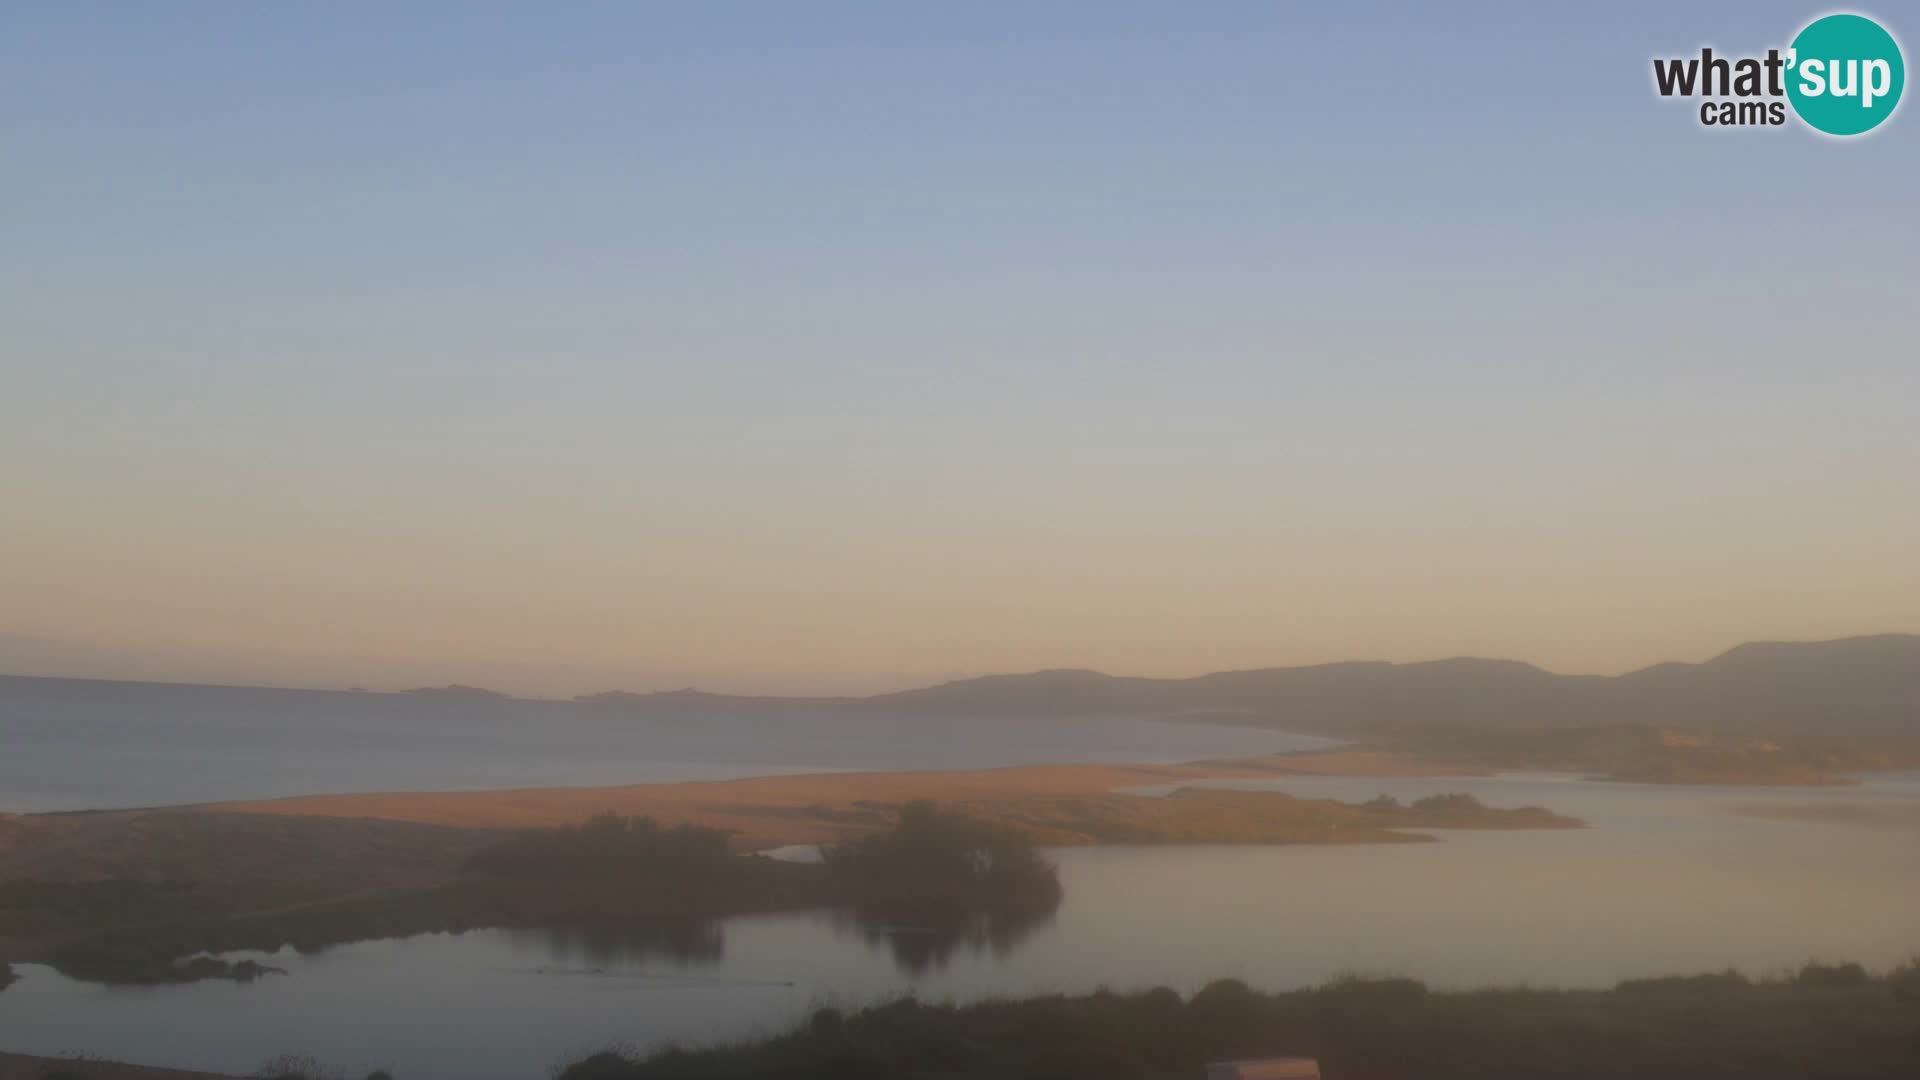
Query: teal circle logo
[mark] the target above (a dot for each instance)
(1845, 74)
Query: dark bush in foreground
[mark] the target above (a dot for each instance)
(1707, 1026)
(1829, 976)
(605, 1065)
(1905, 980)
(1685, 984)
(304, 1067)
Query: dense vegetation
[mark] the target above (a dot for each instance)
(1825, 1021)
(937, 861)
(1816, 1024)
(150, 891)
(607, 847)
(632, 882)
(940, 881)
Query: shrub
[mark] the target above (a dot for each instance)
(933, 861)
(1719, 982)
(605, 1065)
(1904, 980)
(1456, 803)
(1164, 1000)
(1831, 976)
(826, 1023)
(295, 1067)
(1368, 989)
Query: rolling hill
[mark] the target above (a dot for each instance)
(1853, 686)
(1862, 686)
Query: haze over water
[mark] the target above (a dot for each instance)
(79, 746)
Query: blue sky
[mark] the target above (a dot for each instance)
(748, 342)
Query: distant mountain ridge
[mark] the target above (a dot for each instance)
(1847, 687)
(459, 692)
(1851, 686)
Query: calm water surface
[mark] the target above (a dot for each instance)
(1668, 879)
(70, 744)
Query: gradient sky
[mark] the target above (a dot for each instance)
(829, 347)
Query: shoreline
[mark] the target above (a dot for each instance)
(355, 863)
(1823, 1019)
(112, 891)
(810, 808)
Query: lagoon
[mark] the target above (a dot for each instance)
(1666, 880)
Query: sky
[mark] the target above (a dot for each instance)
(836, 347)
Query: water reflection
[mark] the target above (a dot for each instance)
(920, 943)
(1668, 880)
(602, 948)
(926, 943)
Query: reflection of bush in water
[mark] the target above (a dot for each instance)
(938, 881)
(625, 889)
(929, 944)
(935, 862)
(698, 945)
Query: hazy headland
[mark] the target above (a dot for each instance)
(1760, 713)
